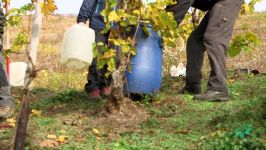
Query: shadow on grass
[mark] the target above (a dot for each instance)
(251, 112)
(66, 102)
(249, 104)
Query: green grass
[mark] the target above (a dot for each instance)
(175, 122)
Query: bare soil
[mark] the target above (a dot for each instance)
(126, 119)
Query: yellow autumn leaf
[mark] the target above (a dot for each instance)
(99, 138)
(136, 12)
(245, 9)
(48, 7)
(11, 120)
(17, 101)
(113, 16)
(231, 81)
(49, 143)
(95, 131)
(12, 125)
(149, 9)
(51, 136)
(109, 54)
(36, 112)
(61, 138)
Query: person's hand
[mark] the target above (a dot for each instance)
(82, 23)
(170, 8)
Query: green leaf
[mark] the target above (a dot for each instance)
(100, 63)
(100, 44)
(94, 50)
(125, 48)
(20, 41)
(111, 64)
(243, 42)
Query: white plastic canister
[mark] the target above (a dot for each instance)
(76, 50)
(17, 73)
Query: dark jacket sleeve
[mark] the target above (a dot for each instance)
(204, 5)
(180, 9)
(2, 24)
(86, 10)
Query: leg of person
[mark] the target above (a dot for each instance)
(105, 82)
(92, 87)
(216, 39)
(195, 56)
(6, 100)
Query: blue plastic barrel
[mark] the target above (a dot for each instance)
(146, 73)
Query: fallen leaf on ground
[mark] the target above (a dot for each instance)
(12, 125)
(59, 106)
(230, 81)
(49, 143)
(80, 139)
(99, 138)
(95, 131)
(203, 137)
(36, 112)
(11, 120)
(75, 122)
(68, 122)
(61, 138)
(183, 131)
(17, 101)
(51, 136)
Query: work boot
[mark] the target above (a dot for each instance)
(106, 91)
(212, 96)
(95, 94)
(6, 111)
(194, 89)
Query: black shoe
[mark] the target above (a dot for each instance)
(212, 96)
(195, 89)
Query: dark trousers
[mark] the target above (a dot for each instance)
(5, 95)
(96, 77)
(213, 34)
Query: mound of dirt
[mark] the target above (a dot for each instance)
(126, 119)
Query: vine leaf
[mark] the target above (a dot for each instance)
(48, 7)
